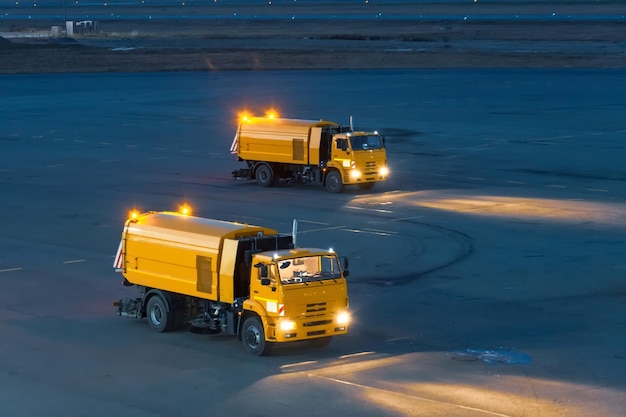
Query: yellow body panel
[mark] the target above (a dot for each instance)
(368, 163)
(183, 254)
(313, 308)
(288, 141)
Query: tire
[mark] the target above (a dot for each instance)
(264, 175)
(320, 342)
(367, 185)
(159, 318)
(253, 337)
(333, 182)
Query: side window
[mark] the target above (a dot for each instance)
(342, 144)
(267, 271)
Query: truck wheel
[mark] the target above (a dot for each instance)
(253, 337)
(367, 185)
(333, 182)
(265, 175)
(320, 342)
(158, 317)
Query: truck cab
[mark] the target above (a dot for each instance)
(298, 294)
(360, 159)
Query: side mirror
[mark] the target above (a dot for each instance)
(263, 271)
(345, 266)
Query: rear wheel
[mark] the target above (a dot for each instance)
(367, 185)
(333, 182)
(265, 175)
(253, 337)
(159, 318)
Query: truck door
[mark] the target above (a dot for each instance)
(266, 295)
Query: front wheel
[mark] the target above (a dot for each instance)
(333, 182)
(253, 337)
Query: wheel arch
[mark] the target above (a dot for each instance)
(331, 171)
(250, 309)
(174, 306)
(257, 164)
(172, 301)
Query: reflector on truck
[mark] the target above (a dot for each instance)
(119, 259)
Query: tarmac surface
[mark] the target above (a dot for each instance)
(487, 275)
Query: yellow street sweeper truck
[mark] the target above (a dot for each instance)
(310, 151)
(244, 280)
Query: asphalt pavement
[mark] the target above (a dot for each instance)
(486, 274)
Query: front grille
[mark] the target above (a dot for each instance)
(316, 307)
(317, 323)
(370, 168)
(316, 333)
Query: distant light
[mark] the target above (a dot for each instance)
(185, 210)
(244, 116)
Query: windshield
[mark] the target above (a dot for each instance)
(366, 142)
(309, 268)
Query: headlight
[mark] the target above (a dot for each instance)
(384, 171)
(355, 173)
(343, 318)
(287, 325)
